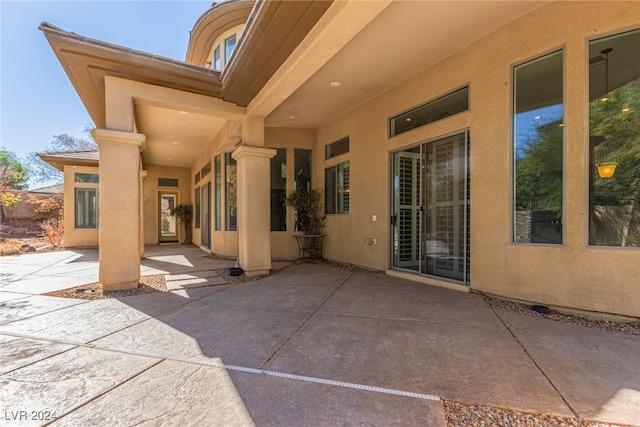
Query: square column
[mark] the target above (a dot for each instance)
(119, 208)
(254, 207)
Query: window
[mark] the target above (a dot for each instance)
(196, 178)
(336, 184)
(206, 170)
(279, 190)
(231, 191)
(218, 192)
(538, 150)
(196, 203)
(443, 107)
(614, 134)
(86, 203)
(302, 166)
(229, 45)
(167, 182)
(336, 148)
(87, 177)
(217, 65)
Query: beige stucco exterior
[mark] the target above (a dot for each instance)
(570, 275)
(295, 108)
(77, 237)
(152, 191)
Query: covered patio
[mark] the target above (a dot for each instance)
(311, 344)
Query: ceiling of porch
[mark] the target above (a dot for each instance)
(406, 38)
(174, 137)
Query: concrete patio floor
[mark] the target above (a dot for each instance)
(309, 345)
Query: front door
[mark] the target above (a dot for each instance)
(430, 223)
(167, 225)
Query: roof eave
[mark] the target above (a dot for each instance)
(87, 61)
(59, 162)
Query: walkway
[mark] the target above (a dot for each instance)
(310, 345)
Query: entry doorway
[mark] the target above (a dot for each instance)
(431, 208)
(167, 226)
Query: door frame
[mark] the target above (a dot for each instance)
(167, 239)
(421, 197)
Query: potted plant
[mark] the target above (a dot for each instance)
(309, 220)
(184, 214)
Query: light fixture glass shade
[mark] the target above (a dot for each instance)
(606, 170)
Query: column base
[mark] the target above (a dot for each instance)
(257, 273)
(119, 286)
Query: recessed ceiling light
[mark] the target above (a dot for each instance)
(184, 113)
(175, 142)
(292, 117)
(335, 84)
(169, 158)
(408, 119)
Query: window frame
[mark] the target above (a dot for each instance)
(91, 178)
(196, 207)
(337, 204)
(85, 199)
(592, 162)
(217, 59)
(229, 52)
(512, 176)
(391, 127)
(340, 144)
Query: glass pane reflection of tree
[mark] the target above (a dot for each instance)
(538, 150)
(614, 128)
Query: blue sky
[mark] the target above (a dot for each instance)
(37, 100)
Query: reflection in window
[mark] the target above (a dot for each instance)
(218, 192)
(93, 178)
(196, 203)
(231, 192)
(438, 109)
(229, 44)
(336, 148)
(538, 150)
(336, 184)
(614, 134)
(279, 190)
(217, 65)
(302, 164)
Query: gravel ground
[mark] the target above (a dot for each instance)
(93, 291)
(631, 327)
(462, 415)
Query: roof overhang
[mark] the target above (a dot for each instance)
(275, 30)
(88, 61)
(78, 158)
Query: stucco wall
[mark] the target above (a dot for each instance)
(569, 275)
(283, 243)
(77, 237)
(151, 197)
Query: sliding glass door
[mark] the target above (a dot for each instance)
(430, 223)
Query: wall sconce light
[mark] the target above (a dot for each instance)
(606, 170)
